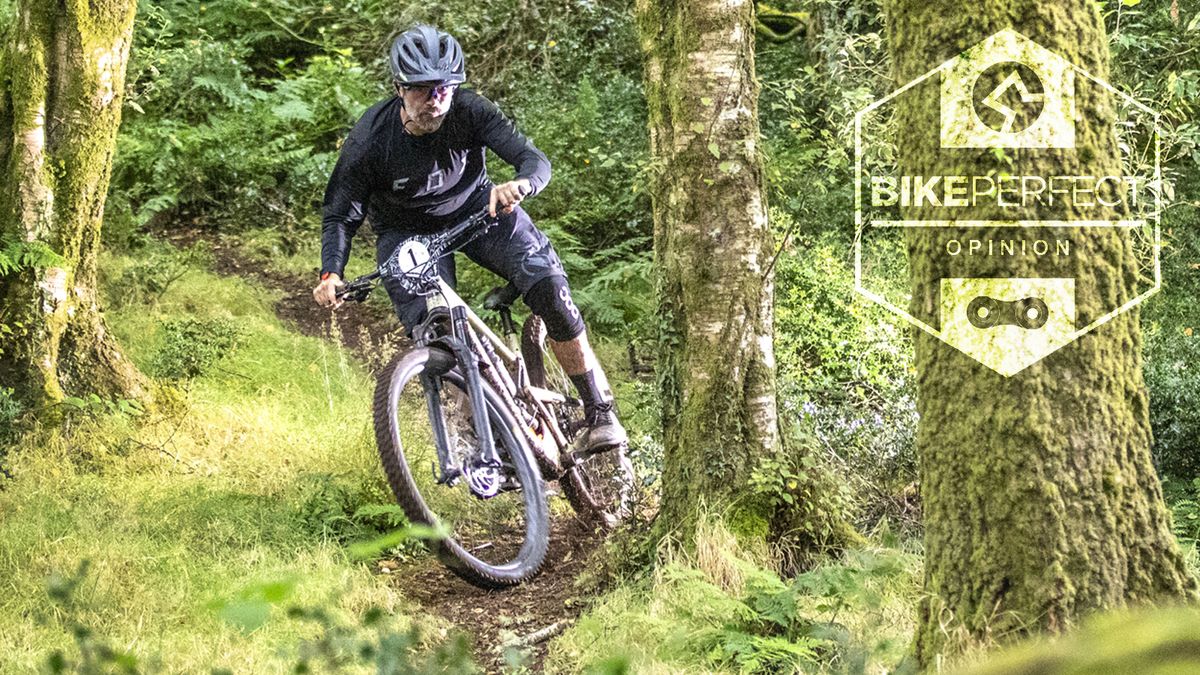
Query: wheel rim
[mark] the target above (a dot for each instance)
(498, 536)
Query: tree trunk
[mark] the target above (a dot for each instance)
(63, 76)
(712, 250)
(1040, 500)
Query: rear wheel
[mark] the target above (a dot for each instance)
(601, 488)
(495, 518)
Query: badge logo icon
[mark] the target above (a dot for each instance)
(1002, 238)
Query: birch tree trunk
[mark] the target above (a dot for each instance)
(63, 76)
(712, 249)
(1041, 503)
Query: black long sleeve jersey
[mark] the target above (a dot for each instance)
(419, 183)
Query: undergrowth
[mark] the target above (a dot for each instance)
(255, 473)
(721, 608)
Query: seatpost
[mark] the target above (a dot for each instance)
(508, 327)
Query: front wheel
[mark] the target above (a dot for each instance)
(494, 519)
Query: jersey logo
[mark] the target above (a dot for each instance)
(399, 184)
(435, 181)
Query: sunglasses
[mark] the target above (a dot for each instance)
(431, 90)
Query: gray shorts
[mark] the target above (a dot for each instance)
(513, 249)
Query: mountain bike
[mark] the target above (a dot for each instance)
(500, 422)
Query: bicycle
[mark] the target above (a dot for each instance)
(500, 451)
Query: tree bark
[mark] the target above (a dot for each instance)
(1041, 504)
(712, 250)
(63, 77)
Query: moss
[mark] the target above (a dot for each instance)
(1026, 529)
(749, 521)
(58, 187)
(1146, 642)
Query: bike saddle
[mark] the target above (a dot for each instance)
(501, 297)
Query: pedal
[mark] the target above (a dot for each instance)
(576, 457)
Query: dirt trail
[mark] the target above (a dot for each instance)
(490, 618)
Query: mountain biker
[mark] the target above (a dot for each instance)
(414, 164)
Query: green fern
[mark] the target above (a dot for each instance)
(17, 255)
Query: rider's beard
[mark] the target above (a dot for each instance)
(425, 123)
(427, 119)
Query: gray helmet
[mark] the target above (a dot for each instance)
(425, 54)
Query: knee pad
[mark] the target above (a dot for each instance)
(550, 299)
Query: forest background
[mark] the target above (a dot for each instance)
(204, 519)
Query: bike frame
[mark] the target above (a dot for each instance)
(450, 324)
(478, 349)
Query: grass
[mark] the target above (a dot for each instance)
(721, 609)
(248, 475)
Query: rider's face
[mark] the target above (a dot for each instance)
(427, 105)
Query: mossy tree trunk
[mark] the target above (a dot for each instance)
(712, 249)
(1041, 503)
(61, 83)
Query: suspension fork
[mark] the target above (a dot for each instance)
(441, 438)
(470, 366)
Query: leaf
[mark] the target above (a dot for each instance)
(368, 549)
(704, 100)
(276, 591)
(698, 127)
(246, 614)
(293, 110)
(714, 150)
(1130, 3)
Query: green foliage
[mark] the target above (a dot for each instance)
(96, 655)
(346, 511)
(340, 645)
(190, 347)
(845, 373)
(95, 406)
(10, 411)
(251, 607)
(1184, 499)
(370, 640)
(1172, 343)
(156, 269)
(176, 507)
(1175, 399)
(236, 109)
(218, 127)
(17, 255)
(1154, 59)
(392, 540)
(724, 610)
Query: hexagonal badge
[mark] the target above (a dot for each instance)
(975, 229)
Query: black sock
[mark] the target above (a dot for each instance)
(589, 392)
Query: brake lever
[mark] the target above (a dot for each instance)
(355, 291)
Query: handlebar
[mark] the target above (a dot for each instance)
(438, 246)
